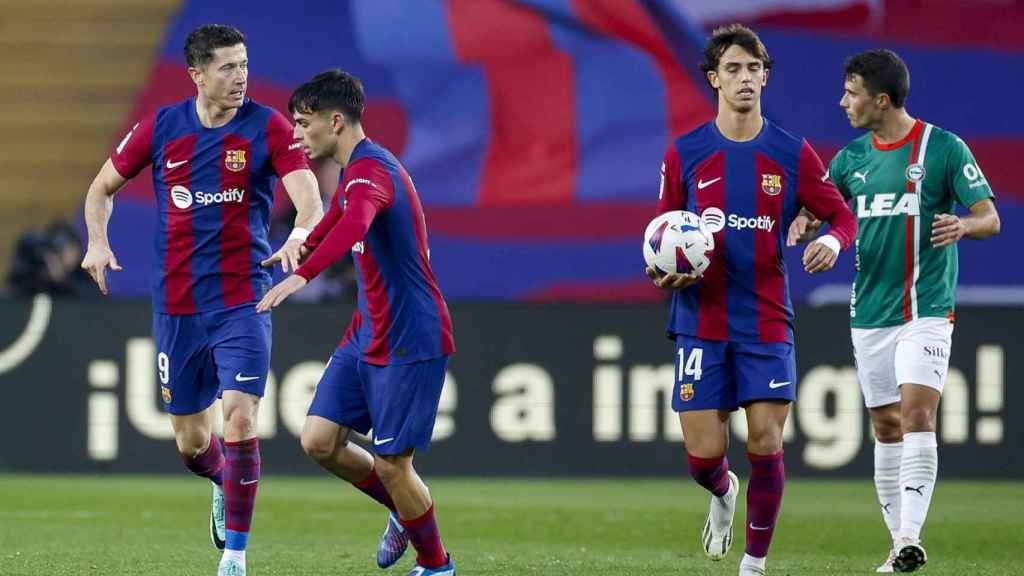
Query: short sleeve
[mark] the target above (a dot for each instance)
(671, 195)
(836, 173)
(286, 153)
(966, 180)
(817, 193)
(135, 151)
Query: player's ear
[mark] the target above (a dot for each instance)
(197, 75)
(882, 101)
(764, 77)
(337, 122)
(713, 79)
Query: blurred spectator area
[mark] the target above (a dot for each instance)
(70, 73)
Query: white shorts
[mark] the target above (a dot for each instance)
(913, 353)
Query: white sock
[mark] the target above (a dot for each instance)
(918, 471)
(236, 555)
(887, 483)
(749, 560)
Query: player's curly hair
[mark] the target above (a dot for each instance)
(202, 42)
(725, 36)
(330, 90)
(883, 72)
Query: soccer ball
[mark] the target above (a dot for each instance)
(678, 242)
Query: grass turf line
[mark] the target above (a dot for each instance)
(157, 526)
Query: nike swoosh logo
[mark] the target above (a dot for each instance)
(379, 441)
(756, 527)
(702, 184)
(240, 378)
(173, 165)
(773, 384)
(248, 482)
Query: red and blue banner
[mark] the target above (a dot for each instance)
(534, 129)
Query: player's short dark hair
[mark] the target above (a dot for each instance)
(204, 40)
(883, 71)
(328, 91)
(725, 36)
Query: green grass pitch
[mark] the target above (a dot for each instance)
(150, 526)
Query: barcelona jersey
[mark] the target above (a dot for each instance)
(747, 193)
(402, 317)
(214, 190)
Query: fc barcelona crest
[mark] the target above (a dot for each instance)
(771, 184)
(166, 393)
(234, 160)
(686, 392)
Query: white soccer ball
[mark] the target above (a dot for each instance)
(678, 242)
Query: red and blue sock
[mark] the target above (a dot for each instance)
(426, 538)
(374, 488)
(711, 473)
(241, 479)
(209, 464)
(764, 499)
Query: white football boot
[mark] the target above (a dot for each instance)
(717, 535)
(217, 533)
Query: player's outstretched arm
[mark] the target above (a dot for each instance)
(983, 222)
(352, 227)
(302, 189)
(281, 292)
(99, 204)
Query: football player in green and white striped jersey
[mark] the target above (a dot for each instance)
(904, 176)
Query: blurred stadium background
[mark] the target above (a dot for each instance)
(534, 130)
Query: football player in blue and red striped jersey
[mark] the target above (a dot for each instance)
(388, 371)
(733, 327)
(216, 158)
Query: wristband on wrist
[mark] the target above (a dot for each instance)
(831, 241)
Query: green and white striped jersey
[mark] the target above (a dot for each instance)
(897, 190)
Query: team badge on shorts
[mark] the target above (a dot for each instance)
(915, 172)
(771, 184)
(166, 393)
(686, 392)
(234, 160)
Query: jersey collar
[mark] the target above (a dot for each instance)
(918, 126)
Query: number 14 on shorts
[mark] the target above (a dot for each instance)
(689, 366)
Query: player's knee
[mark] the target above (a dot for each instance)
(887, 430)
(764, 441)
(918, 419)
(392, 468)
(240, 424)
(191, 445)
(318, 448)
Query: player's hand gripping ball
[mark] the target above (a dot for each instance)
(678, 242)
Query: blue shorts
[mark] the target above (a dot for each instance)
(398, 402)
(200, 355)
(714, 374)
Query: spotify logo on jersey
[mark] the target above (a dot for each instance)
(716, 220)
(181, 197)
(713, 218)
